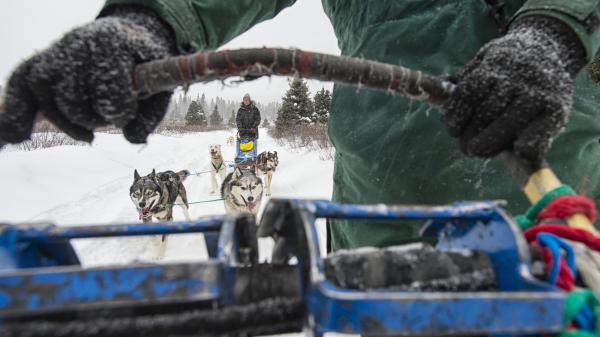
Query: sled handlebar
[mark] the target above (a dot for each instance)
(167, 74)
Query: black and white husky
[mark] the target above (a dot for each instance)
(242, 192)
(266, 164)
(155, 194)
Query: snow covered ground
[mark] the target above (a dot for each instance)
(75, 185)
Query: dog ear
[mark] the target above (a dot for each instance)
(237, 173)
(153, 174)
(136, 176)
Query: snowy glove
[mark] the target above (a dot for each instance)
(516, 93)
(83, 81)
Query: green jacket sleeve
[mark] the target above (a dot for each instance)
(582, 16)
(208, 24)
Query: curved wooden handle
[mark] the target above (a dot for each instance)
(248, 64)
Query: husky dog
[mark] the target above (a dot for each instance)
(218, 167)
(154, 195)
(242, 192)
(231, 140)
(266, 163)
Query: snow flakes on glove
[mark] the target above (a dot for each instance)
(83, 81)
(516, 94)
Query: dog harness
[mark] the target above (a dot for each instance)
(217, 168)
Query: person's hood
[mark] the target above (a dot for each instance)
(252, 103)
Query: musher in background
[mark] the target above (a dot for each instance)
(517, 65)
(247, 118)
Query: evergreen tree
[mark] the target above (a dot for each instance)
(195, 115)
(296, 106)
(192, 117)
(231, 122)
(322, 103)
(215, 118)
(202, 103)
(266, 123)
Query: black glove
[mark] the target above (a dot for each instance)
(516, 93)
(83, 81)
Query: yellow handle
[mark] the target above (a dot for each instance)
(543, 181)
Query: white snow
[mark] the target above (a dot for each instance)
(86, 185)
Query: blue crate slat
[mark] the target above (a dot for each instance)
(50, 232)
(40, 291)
(45, 245)
(389, 313)
(460, 210)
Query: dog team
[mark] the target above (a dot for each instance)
(155, 194)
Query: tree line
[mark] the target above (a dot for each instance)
(181, 106)
(196, 116)
(295, 108)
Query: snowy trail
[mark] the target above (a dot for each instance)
(71, 185)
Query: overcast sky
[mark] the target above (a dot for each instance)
(30, 25)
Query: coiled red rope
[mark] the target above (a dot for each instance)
(567, 205)
(562, 207)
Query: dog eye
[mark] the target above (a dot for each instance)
(244, 188)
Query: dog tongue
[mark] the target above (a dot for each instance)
(143, 212)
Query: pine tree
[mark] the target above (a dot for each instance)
(322, 103)
(195, 115)
(183, 106)
(266, 123)
(296, 106)
(215, 118)
(202, 103)
(192, 117)
(231, 122)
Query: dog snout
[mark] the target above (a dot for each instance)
(250, 199)
(142, 204)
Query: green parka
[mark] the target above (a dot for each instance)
(389, 149)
